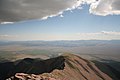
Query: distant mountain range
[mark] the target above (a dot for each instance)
(64, 67)
(63, 43)
(76, 46)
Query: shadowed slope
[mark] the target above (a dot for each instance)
(30, 66)
(65, 67)
(109, 67)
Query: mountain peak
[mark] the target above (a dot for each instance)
(64, 67)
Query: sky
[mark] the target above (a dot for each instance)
(59, 20)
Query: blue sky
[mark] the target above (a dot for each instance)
(72, 26)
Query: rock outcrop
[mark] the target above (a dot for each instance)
(65, 67)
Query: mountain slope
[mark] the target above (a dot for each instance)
(65, 67)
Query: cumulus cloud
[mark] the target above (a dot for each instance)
(105, 7)
(22, 10)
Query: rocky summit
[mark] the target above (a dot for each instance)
(64, 67)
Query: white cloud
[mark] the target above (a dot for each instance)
(102, 32)
(7, 22)
(4, 35)
(8, 37)
(61, 15)
(110, 32)
(105, 7)
(88, 1)
(103, 35)
(22, 10)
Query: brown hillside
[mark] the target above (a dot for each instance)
(65, 67)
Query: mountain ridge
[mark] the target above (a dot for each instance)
(64, 67)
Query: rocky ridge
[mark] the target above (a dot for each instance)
(64, 67)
